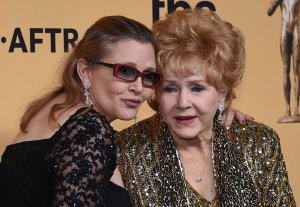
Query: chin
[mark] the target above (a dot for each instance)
(127, 116)
(187, 136)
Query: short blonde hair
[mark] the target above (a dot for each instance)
(200, 34)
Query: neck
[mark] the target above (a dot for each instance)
(197, 167)
(200, 143)
(199, 153)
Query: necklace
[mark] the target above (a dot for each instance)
(198, 178)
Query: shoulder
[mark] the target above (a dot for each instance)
(86, 131)
(40, 126)
(253, 129)
(87, 118)
(254, 137)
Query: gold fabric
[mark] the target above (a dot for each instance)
(249, 168)
(197, 200)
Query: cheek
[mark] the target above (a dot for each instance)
(210, 105)
(164, 105)
(115, 87)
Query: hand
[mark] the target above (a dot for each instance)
(231, 113)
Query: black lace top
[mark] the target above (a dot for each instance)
(72, 168)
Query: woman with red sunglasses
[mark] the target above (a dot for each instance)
(64, 154)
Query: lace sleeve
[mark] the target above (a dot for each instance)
(82, 161)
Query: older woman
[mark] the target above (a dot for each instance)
(183, 156)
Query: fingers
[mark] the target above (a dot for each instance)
(239, 116)
(248, 117)
(242, 118)
(228, 118)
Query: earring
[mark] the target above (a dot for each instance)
(221, 109)
(86, 94)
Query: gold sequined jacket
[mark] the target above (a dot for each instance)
(249, 168)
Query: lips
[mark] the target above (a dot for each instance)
(132, 103)
(185, 120)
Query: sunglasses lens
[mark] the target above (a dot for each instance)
(130, 74)
(151, 79)
(127, 73)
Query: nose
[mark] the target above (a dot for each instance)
(137, 86)
(183, 100)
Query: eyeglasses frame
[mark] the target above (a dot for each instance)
(116, 67)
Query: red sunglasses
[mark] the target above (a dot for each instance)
(130, 74)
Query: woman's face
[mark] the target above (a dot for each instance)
(188, 104)
(115, 98)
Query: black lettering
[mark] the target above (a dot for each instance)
(172, 7)
(207, 4)
(33, 39)
(68, 40)
(53, 32)
(3, 39)
(156, 4)
(14, 44)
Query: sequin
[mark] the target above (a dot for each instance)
(243, 175)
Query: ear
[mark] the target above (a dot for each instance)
(223, 94)
(83, 71)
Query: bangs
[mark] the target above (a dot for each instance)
(184, 65)
(189, 65)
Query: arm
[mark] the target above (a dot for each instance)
(271, 171)
(82, 161)
(273, 6)
(279, 182)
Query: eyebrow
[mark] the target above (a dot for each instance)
(190, 81)
(131, 64)
(198, 80)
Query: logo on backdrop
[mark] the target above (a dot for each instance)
(39, 36)
(171, 6)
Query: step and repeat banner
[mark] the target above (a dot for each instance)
(36, 35)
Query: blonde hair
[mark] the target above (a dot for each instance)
(200, 34)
